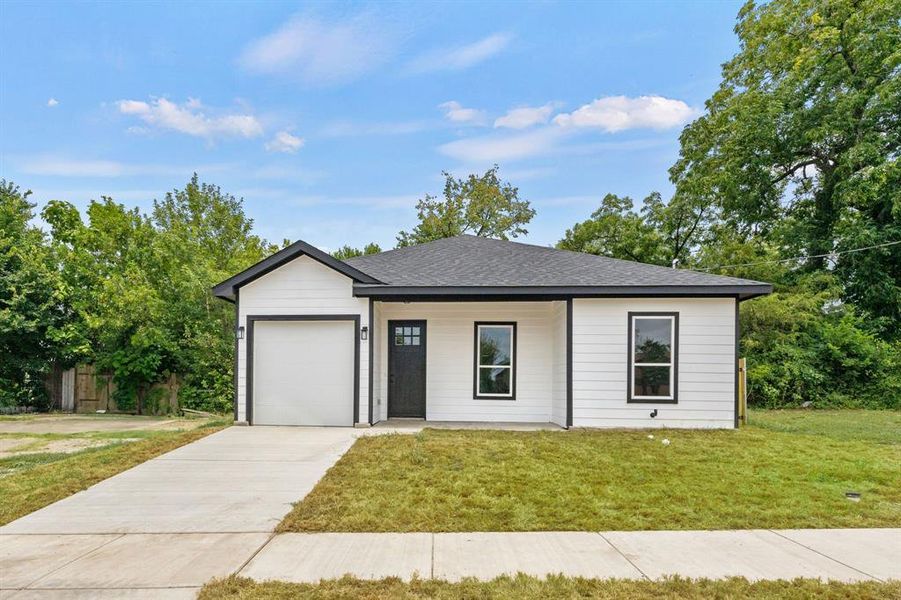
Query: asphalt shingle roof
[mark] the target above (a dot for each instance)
(473, 261)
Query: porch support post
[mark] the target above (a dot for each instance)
(569, 363)
(370, 345)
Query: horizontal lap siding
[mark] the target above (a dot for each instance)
(302, 287)
(450, 349)
(706, 363)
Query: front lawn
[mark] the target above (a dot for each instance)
(757, 477)
(37, 469)
(526, 588)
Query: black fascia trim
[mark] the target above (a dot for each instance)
(569, 363)
(388, 292)
(237, 350)
(675, 349)
(737, 333)
(475, 359)
(226, 289)
(370, 343)
(251, 319)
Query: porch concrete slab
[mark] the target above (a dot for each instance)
(876, 552)
(309, 557)
(27, 558)
(156, 561)
(113, 594)
(489, 555)
(417, 425)
(753, 554)
(205, 486)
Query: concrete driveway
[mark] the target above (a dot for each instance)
(165, 527)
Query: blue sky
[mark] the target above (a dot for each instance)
(332, 119)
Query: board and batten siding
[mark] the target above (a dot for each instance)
(450, 355)
(302, 287)
(706, 388)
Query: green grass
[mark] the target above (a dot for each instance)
(440, 480)
(882, 427)
(530, 588)
(33, 481)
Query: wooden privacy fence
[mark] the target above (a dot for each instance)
(83, 389)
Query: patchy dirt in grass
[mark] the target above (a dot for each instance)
(89, 423)
(25, 445)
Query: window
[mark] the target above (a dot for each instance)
(406, 336)
(653, 361)
(495, 361)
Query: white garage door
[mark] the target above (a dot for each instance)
(303, 372)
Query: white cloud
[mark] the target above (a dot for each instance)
(285, 142)
(52, 102)
(190, 118)
(525, 116)
(460, 57)
(454, 112)
(618, 113)
(318, 52)
(494, 148)
(61, 166)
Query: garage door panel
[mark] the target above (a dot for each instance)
(303, 372)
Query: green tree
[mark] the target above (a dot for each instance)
(480, 205)
(801, 141)
(35, 331)
(657, 234)
(345, 251)
(141, 285)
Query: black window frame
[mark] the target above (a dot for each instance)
(476, 356)
(630, 359)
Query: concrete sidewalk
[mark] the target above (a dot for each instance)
(837, 554)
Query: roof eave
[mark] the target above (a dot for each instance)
(226, 289)
(742, 292)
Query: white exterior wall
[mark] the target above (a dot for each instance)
(706, 372)
(450, 347)
(302, 287)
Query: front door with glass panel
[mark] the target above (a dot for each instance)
(406, 369)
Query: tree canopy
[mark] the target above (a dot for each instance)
(480, 205)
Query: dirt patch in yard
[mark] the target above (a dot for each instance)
(27, 445)
(65, 424)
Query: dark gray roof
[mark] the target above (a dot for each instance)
(468, 261)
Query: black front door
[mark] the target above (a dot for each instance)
(406, 369)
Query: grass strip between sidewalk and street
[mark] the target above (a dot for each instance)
(531, 588)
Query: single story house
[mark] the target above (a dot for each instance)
(475, 329)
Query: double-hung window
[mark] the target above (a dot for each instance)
(653, 360)
(495, 361)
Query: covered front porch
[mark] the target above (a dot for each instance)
(455, 363)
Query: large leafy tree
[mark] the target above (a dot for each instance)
(801, 141)
(658, 233)
(141, 285)
(482, 205)
(35, 326)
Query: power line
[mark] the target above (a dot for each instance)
(798, 258)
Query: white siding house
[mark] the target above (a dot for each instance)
(448, 331)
